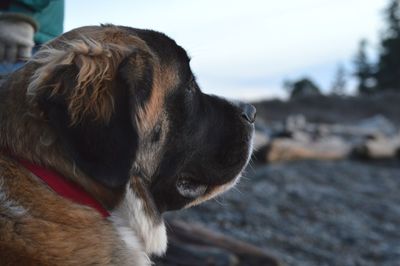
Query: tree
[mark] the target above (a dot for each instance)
(364, 70)
(388, 68)
(339, 82)
(302, 88)
(393, 18)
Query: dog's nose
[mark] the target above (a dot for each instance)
(248, 112)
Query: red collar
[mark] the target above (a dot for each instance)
(64, 187)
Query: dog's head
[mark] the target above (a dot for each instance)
(125, 103)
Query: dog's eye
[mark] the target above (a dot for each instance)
(156, 133)
(190, 89)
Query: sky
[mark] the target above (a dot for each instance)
(246, 49)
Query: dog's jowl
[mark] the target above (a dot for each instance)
(101, 132)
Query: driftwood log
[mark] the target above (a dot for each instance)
(195, 245)
(298, 139)
(331, 148)
(287, 149)
(379, 148)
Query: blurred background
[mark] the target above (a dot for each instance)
(323, 184)
(323, 187)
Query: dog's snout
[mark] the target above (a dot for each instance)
(248, 112)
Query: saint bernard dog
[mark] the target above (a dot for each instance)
(101, 132)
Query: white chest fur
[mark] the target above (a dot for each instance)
(140, 232)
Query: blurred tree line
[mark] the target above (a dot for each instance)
(385, 73)
(372, 77)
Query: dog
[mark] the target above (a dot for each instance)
(101, 132)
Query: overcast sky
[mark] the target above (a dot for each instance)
(245, 49)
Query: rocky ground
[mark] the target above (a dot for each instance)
(313, 212)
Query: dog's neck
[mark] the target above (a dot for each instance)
(137, 217)
(25, 133)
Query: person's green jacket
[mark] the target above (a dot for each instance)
(46, 15)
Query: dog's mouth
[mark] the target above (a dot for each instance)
(190, 188)
(193, 188)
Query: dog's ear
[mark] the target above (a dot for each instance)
(87, 92)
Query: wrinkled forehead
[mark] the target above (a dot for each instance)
(171, 72)
(171, 55)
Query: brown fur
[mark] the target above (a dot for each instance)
(165, 77)
(97, 64)
(52, 225)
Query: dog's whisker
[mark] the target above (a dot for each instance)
(168, 226)
(237, 190)
(219, 202)
(245, 178)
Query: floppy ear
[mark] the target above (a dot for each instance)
(88, 97)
